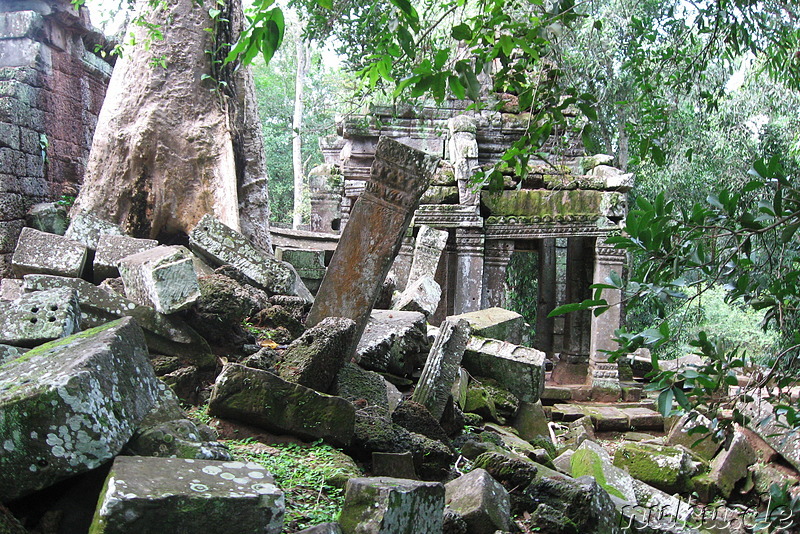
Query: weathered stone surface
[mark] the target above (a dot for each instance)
(392, 341)
(731, 464)
(164, 335)
(314, 359)
(773, 431)
(40, 252)
(563, 462)
(8, 353)
(699, 442)
(11, 289)
(86, 228)
(518, 369)
(161, 277)
(359, 385)
(580, 505)
(671, 509)
(481, 501)
(373, 235)
(496, 323)
(393, 464)
(310, 264)
(480, 401)
(50, 217)
(112, 248)
(38, 317)
(442, 366)
(264, 399)
(384, 505)
(421, 295)
(70, 405)
(147, 495)
(510, 469)
(428, 250)
(531, 421)
(414, 417)
(666, 468)
(167, 432)
(218, 244)
(591, 459)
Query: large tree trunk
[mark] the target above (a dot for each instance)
(297, 128)
(168, 149)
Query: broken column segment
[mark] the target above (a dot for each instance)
(161, 277)
(518, 369)
(39, 252)
(427, 252)
(393, 341)
(422, 295)
(145, 494)
(372, 237)
(39, 317)
(70, 405)
(220, 245)
(442, 366)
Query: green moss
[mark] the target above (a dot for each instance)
(657, 466)
(535, 202)
(585, 462)
(50, 345)
(98, 525)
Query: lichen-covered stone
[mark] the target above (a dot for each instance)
(86, 228)
(666, 468)
(40, 252)
(361, 386)
(546, 203)
(112, 248)
(70, 405)
(167, 335)
(505, 402)
(263, 399)
(50, 217)
(731, 464)
(309, 264)
(421, 295)
(480, 401)
(314, 359)
(428, 248)
(518, 369)
(220, 245)
(38, 317)
(481, 501)
(384, 505)
(145, 495)
(496, 323)
(592, 460)
(442, 366)
(701, 443)
(392, 341)
(510, 469)
(161, 277)
(531, 421)
(9, 352)
(414, 417)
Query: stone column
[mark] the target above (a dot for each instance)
(325, 186)
(547, 295)
(497, 255)
(372, 238)
(402, 263)
(427, 253)
(579, 278)
(607, 259)
(469, 273)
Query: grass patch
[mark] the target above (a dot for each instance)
(304, 473)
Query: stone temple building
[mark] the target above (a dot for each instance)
(561, 213)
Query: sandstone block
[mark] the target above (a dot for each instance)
(68, 406)
(148, 495)
(220, 245)
(263, 399)
(496, 323)
(731, 464)
(421, 295)
(86, 229)
(591, 459)
(481, 501)
(112, 248)
(518, 369)
(666, 468)
(384, 505)
(39, 317)
(161, 277)
(50, 217)
(40, 252)
(392, 341)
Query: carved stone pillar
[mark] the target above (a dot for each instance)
(325, 186)
(469, 274)
(372, 238)
(545, 326)
(497, 255)
(607, 259)
(402, 263)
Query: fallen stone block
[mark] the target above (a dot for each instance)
(360, 385)
(263, 399)
(421, 295)
(145, 494)
(164, 335)
(531, 421)
(666, 468)
(442, 366)
(11, 289)
(394, 464)
(730, 465)
(428, 248)
(86, 228)
(161, 277)
(481, 501)
(496, 323)
(510, 469)
(310, 264)
(70, 405)
(518, 369)
(581, 503)
(112, 248)
(220, 245)
(39, 252)
(314, 359)
(384, 505)
(772, 430)
(38, 317)
(393, 341)
(8, 353)
(50, 217)
(701, 443)
(591, 459)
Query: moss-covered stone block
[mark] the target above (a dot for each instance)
(591, 459)
(666, 468)
(541, 203)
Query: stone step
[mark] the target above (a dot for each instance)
(605, 417)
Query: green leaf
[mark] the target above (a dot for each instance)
(665, 402)
(659, 157)
(325, 4)
(462, 32)
(455, 87)
(577, 306)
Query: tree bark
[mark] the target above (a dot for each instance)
(297, 125)
(173, 143)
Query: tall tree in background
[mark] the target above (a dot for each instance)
(302, 48)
